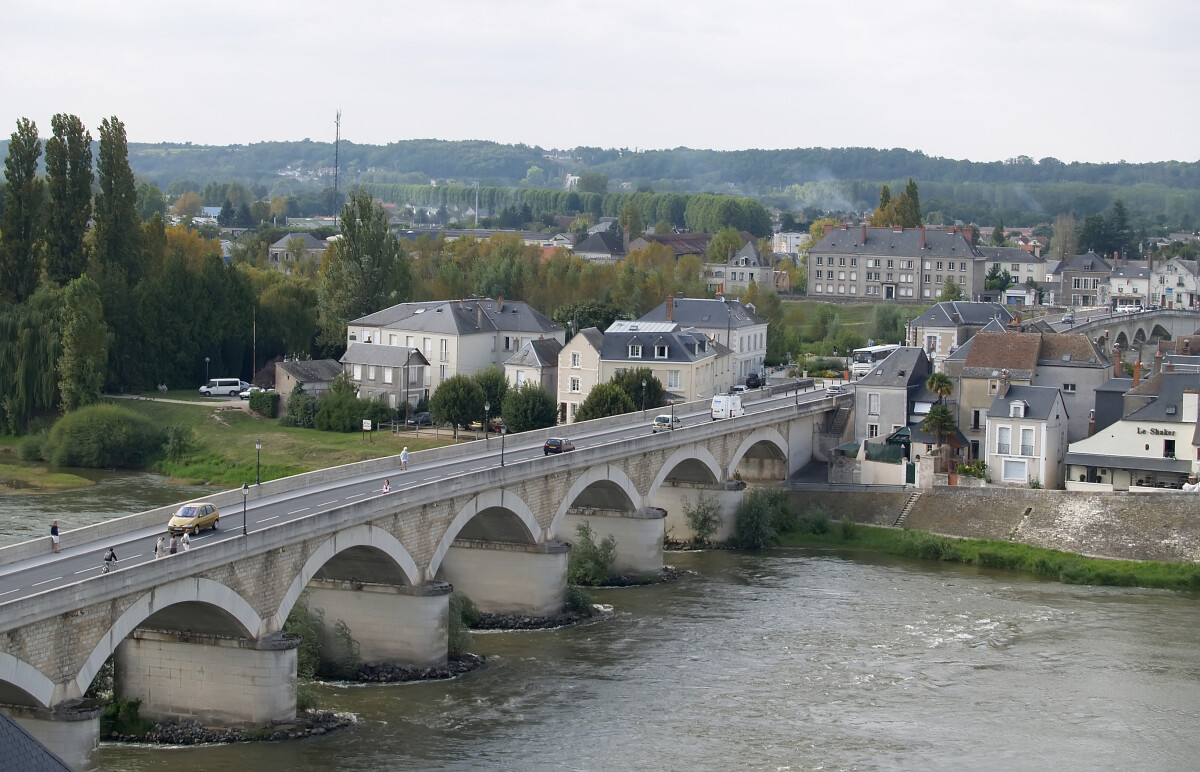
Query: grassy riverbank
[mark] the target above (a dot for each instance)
(1061, 566)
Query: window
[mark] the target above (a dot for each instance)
(391, 339)
(444, 349)
(660, 351)
(928, 264)
(427, 347)
(1014, 471)
(635, 351)
(1027, 441)
(1016, 409)
(1168, 448)
(574, 409)
(371, 372)
(1069, 388)
(962, 266)
(820, 260)
(872, 431)
(854, 276)
(873, 405)
(575, 359)
(853, 262)
(357, 374)
(939, 265)
(442, 371)
(962, 279)
(387, 375)
(976, 420)
(408, 341)
(841, 261)
(1003, 440)
(926, 280)
(672, 379)
(575, 384)
(841, 275)
(817, 287)
(1016, 267)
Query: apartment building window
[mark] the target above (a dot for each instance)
(443, 370)
(444, 345)
(841, 275)
(408, 341)
(872, 431)
(1027, 441)
(976, 420)
(873, 404)
(574, 409)
(820, 275)
(391, 339)
(660, 351)
(575, 359)
(672, 379)
(1168, 448)
(841, 261)
(820, 260)
(427, 347)
(371, 372)
(357, 372)
(575, 384)
(1014, 470)
(853, 289)
(962, 279)
(829, 289)
(1003, 440)
(841, 289)
(939, 265)
(854, 262)
(1069, 388)
(854, 276)
(927, 280)
(962, 266)
(1016, 267)
(635, 351)
(891, 263)
(928, 264)
(387, 375)
(817, 287)
(939, 280)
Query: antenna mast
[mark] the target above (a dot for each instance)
(337, 143)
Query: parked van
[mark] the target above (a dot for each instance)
(665, 423)
(727, 406)
(224, 386)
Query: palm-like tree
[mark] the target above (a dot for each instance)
(941, 385)
(940, 421)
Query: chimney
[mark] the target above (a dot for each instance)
(1191, 406)
(1187, 346)
(479, 316)
(670, 309)
(864, 235)
(499, 303)
(1157, 362)
(897, 229)
(1137, 373)
(922, 237)
(1003, 383)
(828, 227)
(1091, 422)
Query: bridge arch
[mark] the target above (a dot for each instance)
(770, 440)
(697, 458)
(193, 589)
(19, 678)
(359, 536)
(608, 476)
(497, 499)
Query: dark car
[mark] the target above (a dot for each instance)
(557, 445)
(421, 419)
(753, 381)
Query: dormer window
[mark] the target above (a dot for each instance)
(1016, 409)
(660, 351)
(635, 351)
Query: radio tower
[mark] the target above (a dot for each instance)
(337, 142)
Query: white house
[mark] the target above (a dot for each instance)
(1027, 436)
(729, 322)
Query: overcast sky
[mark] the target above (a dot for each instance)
(1093, 80)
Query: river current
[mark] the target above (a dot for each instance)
(788, 660)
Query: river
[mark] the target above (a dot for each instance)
(789, 660)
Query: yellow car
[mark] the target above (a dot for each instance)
(194, 516)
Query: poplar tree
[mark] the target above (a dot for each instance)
(69, 173)
(84, 345)
(118, 228)
(21, 226)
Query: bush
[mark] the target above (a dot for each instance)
(309, 625)
(306, 697)
(463, 614)
(345, 413)
(103, 437)
(265, 403)
(31, 447)
(301, 409)
(977, 468)
(704, 518)
(579, 600)
(754, 530)
(180, 442)
(847, 529)
(121, 716)
(816, 520)
(349, 662)
(590, 564)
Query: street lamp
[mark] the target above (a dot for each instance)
(643, 398)
(487, 406)
(258, 461)
(245, 493)
(503, 431)
(206, 360)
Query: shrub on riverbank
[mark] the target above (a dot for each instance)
(1061, 566)
(764, 515)
(103, 437)
(590, 563)
(463, 614)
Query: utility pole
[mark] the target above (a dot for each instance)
(337, 144)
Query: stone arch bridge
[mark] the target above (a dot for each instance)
(1134, 330)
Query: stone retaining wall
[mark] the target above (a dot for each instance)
(1134, 526)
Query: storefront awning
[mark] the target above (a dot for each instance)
(1143, 463)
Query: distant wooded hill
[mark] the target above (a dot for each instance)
(1020, 191)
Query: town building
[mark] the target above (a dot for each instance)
(1026, 436)
(1084, 279)
(392, 374)
(536, 362)
(1129, 286)
(893, 394)
(294, 250)
(948, 325)
(1021, 265)
(312, 376)
(723, 320)
(601, 247)
(746, 268)
(1175, 283)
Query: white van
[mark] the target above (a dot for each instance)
(727, 406)
(224, 386)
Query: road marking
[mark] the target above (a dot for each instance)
(48, 581)
(86, 570)
(298, 511)
(356, 495)
(327, 503)
(265, 519)
(7, 592)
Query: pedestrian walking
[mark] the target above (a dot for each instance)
(186, 541)
(174, 544)
(110, 560)
(54, 535)
(160, 548)
(387, 486)
(404, 458)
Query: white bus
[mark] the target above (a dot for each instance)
(863, 360)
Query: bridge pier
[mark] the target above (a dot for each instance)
(214, 680)
(507, 578)
(638, 534)
(401, 625)
(70, 731)
(674, 495)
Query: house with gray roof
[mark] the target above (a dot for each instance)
(20, 751)
(293, 250)
(728, 321)
(1026, 436)
(536, 362)
(601, 247)
(744, 268)
(1175, 283)
(893, 264)
(456, 337)
(312, 376)
(1021, 265)
(1084, 279)
(892, 394)
(393, 374)
(950, 324)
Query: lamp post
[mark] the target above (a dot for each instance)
(643, 398)
(258, 461)
(206, 361)
(245, 493)
(487, 406)
(503, 431)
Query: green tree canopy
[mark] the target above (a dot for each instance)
(494, 385)
(21, 224)
(69, 172)
(605, 399)
(84, 344)
(458, 401)
(528, 408)
(950, 290)
(630, 382)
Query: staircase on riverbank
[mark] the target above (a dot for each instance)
(902, 518)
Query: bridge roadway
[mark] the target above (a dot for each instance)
(48, 572)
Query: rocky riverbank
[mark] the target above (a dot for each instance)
(309, 724)
(389, 673)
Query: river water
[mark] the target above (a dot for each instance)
(789, 660)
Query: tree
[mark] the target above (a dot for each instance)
(630, 382)
(21, 224)
(940, 421)
(150, 201)
(1093, 234)
(188, 205)
(494, 385)
(586, 313)
(605, 399)
(227, 214)
(1120, 235)
(885, 198)
(950, 290)
(909, 206)
(997, 279)
(29, 351)
(631, 221)
(458, 401)
(118, 229)
(84, 345)
(998, 239)
(364, 271)
(719, 248)
(592, 182)
(1063, 242)
(69, 174)
(941, 385)
(528, 408)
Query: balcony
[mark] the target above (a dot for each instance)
(1003, 448)
(1026, 450)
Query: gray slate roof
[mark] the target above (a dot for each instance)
(382, 356)
(311, 243)
(684, 346)
(897, 243)
(904, 368)
(1087, 262)
(312, 370)
(462, 317)
(955, 313)
(1009, 255)
(537, 353)
(1040, 400)
(602, 242)
(1168, 405)
(704, 313)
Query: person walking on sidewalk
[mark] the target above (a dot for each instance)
(160, 548)
(186, 541)
(174, 547)
(387, 486)
(54, 536)
(404, 459)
